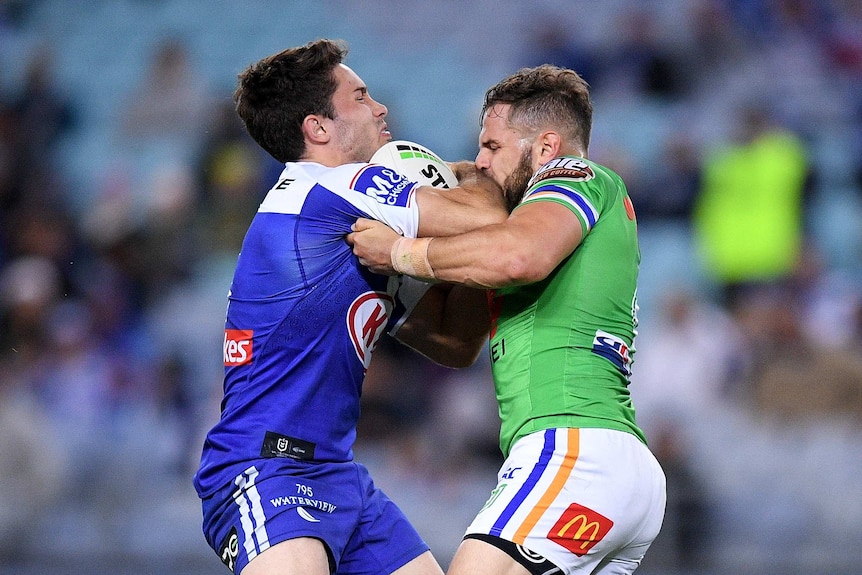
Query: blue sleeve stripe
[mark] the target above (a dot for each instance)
(573, 199)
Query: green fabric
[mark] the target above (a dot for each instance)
(549, 337)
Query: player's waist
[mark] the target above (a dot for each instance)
(510, 435)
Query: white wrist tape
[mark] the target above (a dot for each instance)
(410, 257)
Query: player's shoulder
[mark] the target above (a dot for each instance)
(298, 180)
(584, 186)
(335, 177)
(567, 170)
(382, 184)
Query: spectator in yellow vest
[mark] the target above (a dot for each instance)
(748, 216)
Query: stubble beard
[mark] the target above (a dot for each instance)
(354, 144)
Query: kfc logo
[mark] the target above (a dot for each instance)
(237, 346)
(366, 322)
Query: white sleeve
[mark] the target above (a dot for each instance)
(410, 292)
(380, 192)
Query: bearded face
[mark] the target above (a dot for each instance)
(515, 183)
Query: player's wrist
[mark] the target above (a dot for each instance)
(409, 256)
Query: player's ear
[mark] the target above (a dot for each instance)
(314, 130)
(548, 145)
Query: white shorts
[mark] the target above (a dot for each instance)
(582, 498)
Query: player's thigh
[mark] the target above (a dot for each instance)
(474, 557)
(300, 556)
(425, 564)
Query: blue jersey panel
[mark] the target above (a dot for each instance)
(303, 318)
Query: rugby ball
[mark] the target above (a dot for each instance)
(416, 163)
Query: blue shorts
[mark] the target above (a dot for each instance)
(274, 500)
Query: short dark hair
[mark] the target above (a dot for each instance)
(543, 96)
(275, 94)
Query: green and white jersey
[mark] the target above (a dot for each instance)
(561, 349)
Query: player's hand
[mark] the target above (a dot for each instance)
(372, 244)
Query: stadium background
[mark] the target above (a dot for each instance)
(126, 185)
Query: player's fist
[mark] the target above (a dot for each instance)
(372, 244)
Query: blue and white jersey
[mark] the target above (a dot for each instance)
(303, 318)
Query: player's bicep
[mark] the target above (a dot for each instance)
(547, 232)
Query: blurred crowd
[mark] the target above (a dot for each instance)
(737, 125)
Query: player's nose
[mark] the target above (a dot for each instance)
(380, 110)
(482, 160)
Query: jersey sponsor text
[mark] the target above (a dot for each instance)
(613, 349)
(237, 346)
(385, 185)
(291, 500)
(565, 167)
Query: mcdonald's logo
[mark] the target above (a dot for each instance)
(579, 528)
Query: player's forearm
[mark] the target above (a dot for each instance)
(475, 203)
(488, 258)
(466, 317)
(524, 249)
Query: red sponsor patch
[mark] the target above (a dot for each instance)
(237, 346)
(579, 528)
